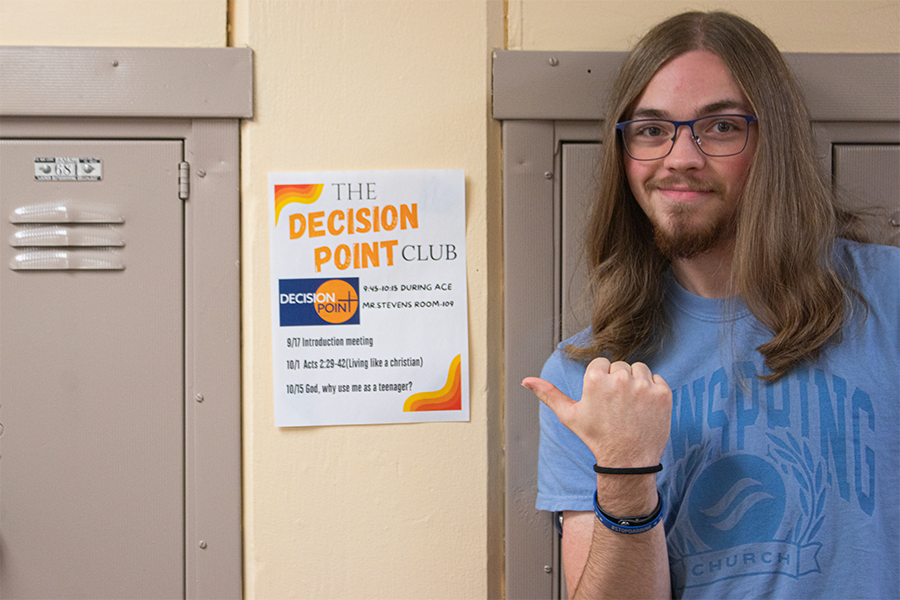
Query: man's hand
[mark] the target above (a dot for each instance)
(624, 415)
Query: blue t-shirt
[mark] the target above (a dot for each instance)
(787, 490)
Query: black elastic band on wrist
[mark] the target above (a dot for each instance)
(627, 471)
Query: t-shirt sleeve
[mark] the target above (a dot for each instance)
(566, 479)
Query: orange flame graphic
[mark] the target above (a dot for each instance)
(302, 193)
(448, 397)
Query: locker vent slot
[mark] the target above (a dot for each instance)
(65, 212)
(67, 260)
(67, 236)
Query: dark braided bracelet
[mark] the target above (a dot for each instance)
(627, 471)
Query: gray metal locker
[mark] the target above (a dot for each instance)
(92, 372)
(550, 104)
(119, 322)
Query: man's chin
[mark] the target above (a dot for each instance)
(683, 244)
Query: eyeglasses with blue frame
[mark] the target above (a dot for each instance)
(714, 135)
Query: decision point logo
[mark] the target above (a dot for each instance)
(738, 499)
(336, 301)
(304, 302)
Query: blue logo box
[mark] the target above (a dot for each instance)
(305, 302)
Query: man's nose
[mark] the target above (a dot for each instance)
(685, 153)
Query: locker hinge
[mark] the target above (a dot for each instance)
(184, 180)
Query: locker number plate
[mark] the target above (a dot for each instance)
(63, 168)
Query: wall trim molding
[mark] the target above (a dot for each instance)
(44, 81)
(574, 85)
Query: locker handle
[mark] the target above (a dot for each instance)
(66, 260)
(66, 236)
(65, 211)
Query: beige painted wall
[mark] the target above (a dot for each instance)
(154, 23)
(390, 511)
(794, 25)
(386, 511)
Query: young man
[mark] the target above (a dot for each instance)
(739, 339)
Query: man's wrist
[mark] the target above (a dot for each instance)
(630, 525)
(627, 494)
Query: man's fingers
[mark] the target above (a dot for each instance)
(549, 395)
(639, 369)
(619, 366)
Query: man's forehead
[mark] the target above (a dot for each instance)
(719, 107)
(694, 83)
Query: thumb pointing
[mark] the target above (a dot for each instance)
(547, 393)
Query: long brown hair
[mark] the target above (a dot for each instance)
(787, 220)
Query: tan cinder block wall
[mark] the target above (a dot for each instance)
(391, 511)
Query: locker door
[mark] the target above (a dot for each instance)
(579, 164)
(869, 177)
(579, 175)
(91, 372)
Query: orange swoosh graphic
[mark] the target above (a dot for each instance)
(302, 193)
(448, 397)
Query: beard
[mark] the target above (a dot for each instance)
(684, 240)
(684, 235)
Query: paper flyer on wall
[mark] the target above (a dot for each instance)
(369, 317)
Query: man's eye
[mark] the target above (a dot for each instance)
(723, 127)
(650, 131)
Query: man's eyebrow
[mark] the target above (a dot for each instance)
(649, 113)
(724, 105)
(709, 109)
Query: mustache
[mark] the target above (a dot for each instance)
(691, 183)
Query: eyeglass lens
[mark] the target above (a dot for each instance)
(718, 135)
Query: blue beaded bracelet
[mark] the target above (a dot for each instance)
(630, 525)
